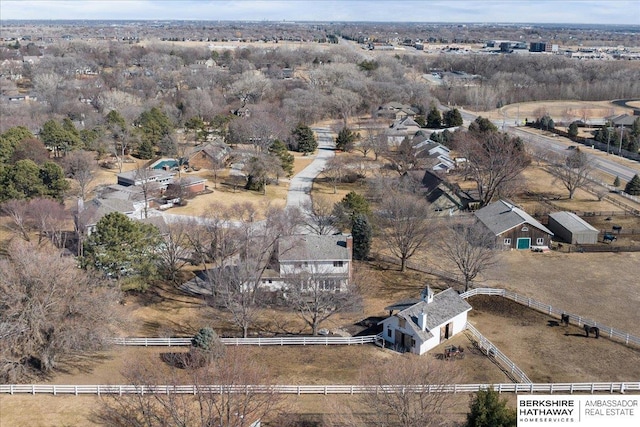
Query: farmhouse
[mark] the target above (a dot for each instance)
(319, 255)
(422, 324)
(326, 258)
(572, 229)
(513, 227)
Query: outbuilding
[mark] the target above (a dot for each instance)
(572, 229)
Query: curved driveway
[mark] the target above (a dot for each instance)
(299, 194)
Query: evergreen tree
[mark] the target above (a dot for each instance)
(206, 346)
(120, 247)
(52, 178)
(573, 130)
(482, 125)
(616, 182)
(114, 118)
(146, 150)
(633, 186)
(10, 140)
(487, 410)
(286, 159)
(452, 118)
(362, 233)
(434, 118)
(345, 139)
(21, 181)
(304, 139)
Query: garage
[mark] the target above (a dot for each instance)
(572, 229)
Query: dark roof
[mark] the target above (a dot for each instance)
(314, 248)
(431, 181)
(502, 216)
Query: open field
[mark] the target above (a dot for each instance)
(560, 111)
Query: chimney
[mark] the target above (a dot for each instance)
(349, 241)
(422, 320)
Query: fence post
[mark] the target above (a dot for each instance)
(592, 387)
(120, 390)
(621, 388)
(33, 389)
(75, 389)
(54, 390)
(11, 389)
(571, 389)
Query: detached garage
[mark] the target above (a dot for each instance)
(572, 229)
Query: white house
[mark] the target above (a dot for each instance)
(421, 325)
(327, 256)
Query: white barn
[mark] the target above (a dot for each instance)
(422, 324)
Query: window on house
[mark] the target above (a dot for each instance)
(540, 241)
(507, 241)
(525, 228)
(389, 332)
(413, 342)
(338, 263)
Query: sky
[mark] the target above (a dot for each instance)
(507, 11)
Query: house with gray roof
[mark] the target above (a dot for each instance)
(513, 227)
(422, 324)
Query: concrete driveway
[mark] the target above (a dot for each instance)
(299, 194)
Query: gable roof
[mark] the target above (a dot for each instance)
(502, 216)
(314, 248)
(445, 306)
(572, 222)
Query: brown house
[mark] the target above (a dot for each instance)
(513, 227)
(204, 156)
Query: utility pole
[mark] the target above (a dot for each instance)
(620, 146)
(608, 136)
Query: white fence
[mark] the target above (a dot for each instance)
(294, 340)
(492, 352)
(605, 331)
(548, 388)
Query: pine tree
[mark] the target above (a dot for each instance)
(345, 140)
(452, 118)
(573, 130)
(305, 140)
(616, 182)
(633, 186)
(487, 410)
(434, 118)
(362, 233)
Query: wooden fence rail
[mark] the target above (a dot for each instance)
(295, 340)
(492, 352)
(605, 331)
(547, 388)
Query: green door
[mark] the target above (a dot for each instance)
(524, 243)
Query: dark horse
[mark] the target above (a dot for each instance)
(564, 319)
(593, 329)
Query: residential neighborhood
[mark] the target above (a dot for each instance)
(259, 215)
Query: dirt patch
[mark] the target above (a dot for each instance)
(547, 352)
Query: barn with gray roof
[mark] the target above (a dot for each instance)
(572, 229)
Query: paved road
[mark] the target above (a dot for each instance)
(300, 185)
(615, 166)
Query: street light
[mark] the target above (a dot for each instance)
(620, 147)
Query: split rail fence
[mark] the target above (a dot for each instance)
(546, 388)
(296, 340)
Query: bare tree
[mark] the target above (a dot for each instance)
(495, 160)
(374, 139)
(319, 216)
(334, 170)
(48, 218)
(317, 296)
(216, 401)
(149, 187)
(471, 247)
(242, 251)
(572, 171)
(52, 311)
(405, 225)
(18, 211)
(425, 406)
(80, 165)
(175, 249)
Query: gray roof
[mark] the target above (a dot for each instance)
(314, 248)
(136, 175)
(572, 222)
(97, 208)
(445, 306)
(502, 216)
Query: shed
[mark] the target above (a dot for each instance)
(572, 229)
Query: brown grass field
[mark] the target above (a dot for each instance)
(602, 286)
